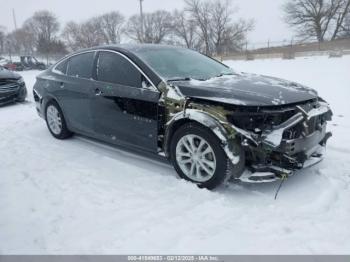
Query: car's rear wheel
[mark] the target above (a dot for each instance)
(198, 156)
(55, 121)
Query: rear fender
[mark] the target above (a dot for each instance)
(45, 100)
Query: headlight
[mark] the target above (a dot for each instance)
(262, 120)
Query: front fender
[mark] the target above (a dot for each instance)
(206, 120)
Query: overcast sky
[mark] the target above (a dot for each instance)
(267, 13)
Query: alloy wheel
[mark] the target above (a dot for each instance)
(54, 119)
(196, 158)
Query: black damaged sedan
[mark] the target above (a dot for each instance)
(211, 122)
(12, 87)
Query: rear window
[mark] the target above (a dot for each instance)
(81, 65)
(62, 67)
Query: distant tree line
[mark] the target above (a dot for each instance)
(319, 19)
(204, 25)
(209, 26)
(2, 39)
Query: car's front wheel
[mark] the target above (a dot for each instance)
(55, 121)
(197, 156)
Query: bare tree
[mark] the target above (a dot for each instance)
(111, 25)
(200, 12)
(227, 34)
(235, 36)
(2, 39)
(43, 24)
(104, 29)
(220, 21)
(341, 18)
(134, 29)
(71, 35)
(157, 26)
(217, 28)
(85, 35)
(345, 32)
(21, 41)
(320, 19)
(91, 34)
(185, 28)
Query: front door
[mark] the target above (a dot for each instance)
(125, 106)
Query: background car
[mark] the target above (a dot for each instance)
(31, 63)
(14, 66)
(12, 87)
(24, 63)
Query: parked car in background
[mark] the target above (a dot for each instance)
(12, 87)
(31, 63)
(13, 66)
(208, 120)
(25, 63)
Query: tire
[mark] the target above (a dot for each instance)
(211, 169)
(22, 95)
(21, 100)
(59, 130)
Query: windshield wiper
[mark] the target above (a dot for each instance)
(185, 79)
(179, 79)
(225, 74)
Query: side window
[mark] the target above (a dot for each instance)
(62, 67)
(81, 65)
(113, 68)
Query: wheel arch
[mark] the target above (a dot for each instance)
(49, 98)
(204, 119)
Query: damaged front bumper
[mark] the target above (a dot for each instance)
(271, 173)
(12, 92)
(280, 156)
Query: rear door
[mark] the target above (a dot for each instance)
(74, 91)
(125, 103)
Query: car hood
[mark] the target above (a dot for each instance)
(247, 89)
(6, 74)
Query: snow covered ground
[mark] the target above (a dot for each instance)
(82, 197)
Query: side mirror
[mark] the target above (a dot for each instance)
(162, 87)
(145, 83)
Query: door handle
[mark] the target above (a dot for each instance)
(98, 92)
(61, 85)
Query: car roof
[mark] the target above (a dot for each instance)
(134, 48)
(131, 51)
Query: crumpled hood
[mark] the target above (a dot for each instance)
(247, 89)
(6, 74)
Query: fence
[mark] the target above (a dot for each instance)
(289, 50)
(285, 49)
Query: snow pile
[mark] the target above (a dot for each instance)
(80, 196)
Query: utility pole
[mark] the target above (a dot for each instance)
(142, 22)
(14, 18)
(9, 47)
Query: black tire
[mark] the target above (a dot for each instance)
(224, 168)
(64, 133)
(21, 100)
(22, 96)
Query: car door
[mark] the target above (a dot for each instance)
(74, 92)
(125, 103)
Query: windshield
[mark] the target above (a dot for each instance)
(182, 64)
